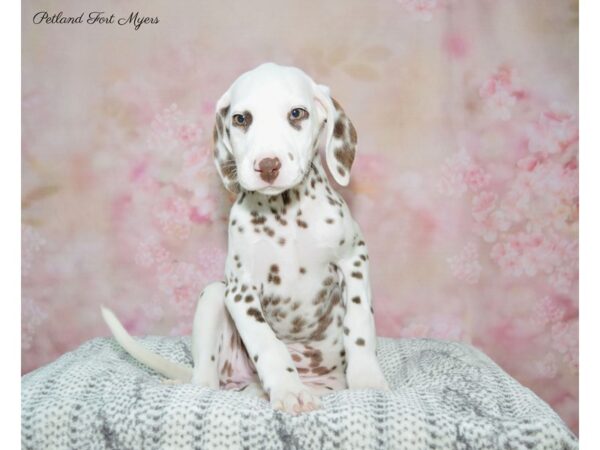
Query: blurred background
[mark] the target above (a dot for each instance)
(465, 183)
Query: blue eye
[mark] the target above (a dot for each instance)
(295, 113)
(239, 119)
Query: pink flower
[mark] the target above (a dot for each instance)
(490, 226)
(528, 254)
(150, 253)
(465, 266)
(476, 177)
(483, 204)
(553, 132)
(499, 92)
(547, 311)
(173, 215)
(459, 173)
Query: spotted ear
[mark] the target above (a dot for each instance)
(223, 156)
(340, 139)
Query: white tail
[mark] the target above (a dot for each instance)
(162, 365)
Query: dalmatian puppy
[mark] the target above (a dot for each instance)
(293, 319)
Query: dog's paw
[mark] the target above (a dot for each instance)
(294, 400)
(366, 377)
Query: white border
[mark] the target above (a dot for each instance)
(589, 164)
(10, 119)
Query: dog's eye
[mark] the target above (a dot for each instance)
(297, 114)
(242, 120)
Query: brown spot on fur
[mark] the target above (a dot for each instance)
(321, 297)
(338, 129)
(253, 312)
(301, 223)
(259, 220)
(353, 137)
(356, 300)
(321, 370)
(298, 324)
(360, 341)
(336, 105)
(296, 357)
(345, 155)
(228, 168)
(346, 331)
(302, 270)
(357, 275)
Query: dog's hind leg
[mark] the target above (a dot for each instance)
(207, 335)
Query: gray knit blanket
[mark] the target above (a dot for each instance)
(445, 395)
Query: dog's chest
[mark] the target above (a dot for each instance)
(285, 250)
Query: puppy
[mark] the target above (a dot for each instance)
(293, 319)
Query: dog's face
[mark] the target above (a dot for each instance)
(267, 128)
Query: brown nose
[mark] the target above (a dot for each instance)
(269, 169)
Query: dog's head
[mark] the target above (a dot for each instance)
(267, 129)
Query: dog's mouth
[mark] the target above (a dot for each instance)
(277, 186)
(275, 189)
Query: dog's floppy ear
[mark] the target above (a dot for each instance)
(340, 139)
(223, 155)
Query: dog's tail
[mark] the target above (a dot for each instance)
(162, 365)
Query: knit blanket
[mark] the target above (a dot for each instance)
(444, 395)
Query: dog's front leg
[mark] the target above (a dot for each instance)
(363, 370)
(271, 357)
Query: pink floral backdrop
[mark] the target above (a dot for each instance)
(465, 184)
